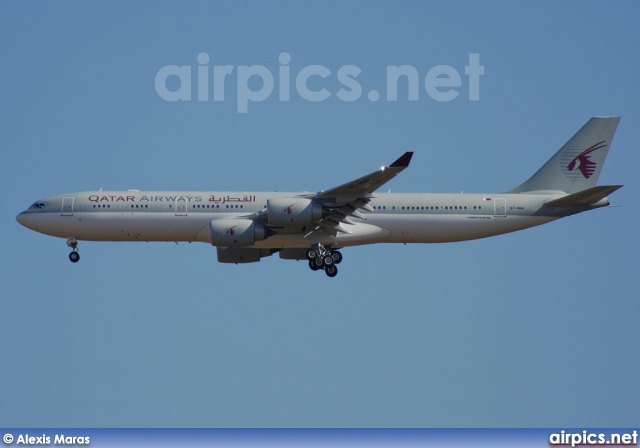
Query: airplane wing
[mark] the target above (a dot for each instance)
(369, 183)
(344, 201)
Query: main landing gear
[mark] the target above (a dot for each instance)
(73, 256)
(327, 259)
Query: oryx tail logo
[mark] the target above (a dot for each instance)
(231, 231)
(582, 161)
(288, 209)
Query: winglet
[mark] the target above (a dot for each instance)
(403, 161)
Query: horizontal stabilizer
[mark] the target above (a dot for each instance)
(584, 197)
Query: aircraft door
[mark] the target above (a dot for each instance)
(500, 207)
(181, 206)
(67, 207)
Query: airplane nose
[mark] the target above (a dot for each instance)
(21, 219)
(30, 220)
(26, 219)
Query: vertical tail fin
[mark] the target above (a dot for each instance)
(576, 166)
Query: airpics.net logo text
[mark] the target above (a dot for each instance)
(255, 83)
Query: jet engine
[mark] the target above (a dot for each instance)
(291, 211)
(229, 232)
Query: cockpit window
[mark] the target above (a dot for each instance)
(37, 205)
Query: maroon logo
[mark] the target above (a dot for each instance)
(231, 231)
(582, 161)
(289, 209)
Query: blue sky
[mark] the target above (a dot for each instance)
(533, 329)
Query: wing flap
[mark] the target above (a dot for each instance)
(331, 227)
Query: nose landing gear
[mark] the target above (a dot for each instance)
(324, 258)
(73, 256)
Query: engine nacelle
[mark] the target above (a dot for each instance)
(288, 211)
(230, 232)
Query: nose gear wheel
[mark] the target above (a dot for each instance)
(73, 244)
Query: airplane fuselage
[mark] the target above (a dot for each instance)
(246, 226)
(185, 216)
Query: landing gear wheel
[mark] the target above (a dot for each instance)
(327, 261)
(74, 257)
(331, 271)
(312, 265)
(317, 262)
(337, 257)
(311, 254)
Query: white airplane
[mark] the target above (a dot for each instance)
(246, 226)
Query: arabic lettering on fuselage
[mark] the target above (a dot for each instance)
(148, 198)
(223, 199)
